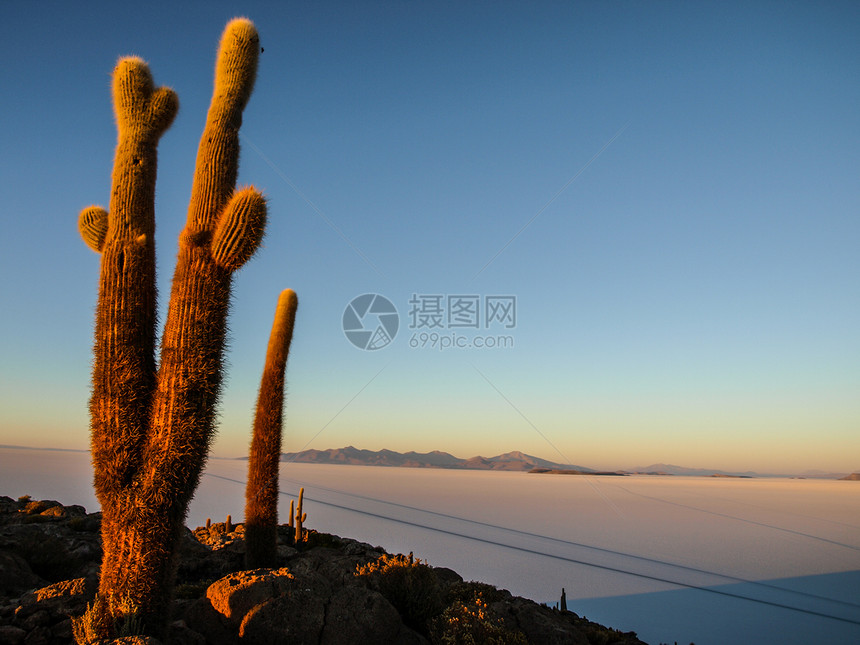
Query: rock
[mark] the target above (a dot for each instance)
(36, 619)
(203, 619)
(356, 615)
(202, 559)
(62, 631)
(38, 507)
(447, 577)
(296, 618)
(12, 635)
(55, 511)
(76, 510)
(335, 569)
(238, 593)
(52, 550)
(66, 598)
(38, 636)
(16, 575)
(540, 624)
(316, 598)
(324, 604)
(285, 551)
(181, 634)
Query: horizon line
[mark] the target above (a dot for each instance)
(636, 470)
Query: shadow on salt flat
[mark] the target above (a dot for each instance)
(808, 609)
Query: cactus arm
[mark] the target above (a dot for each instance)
(218, 154)
(240, 229)
(143, 113)
(93, 226)
(261, 491)
(124, 365)
(189, 376)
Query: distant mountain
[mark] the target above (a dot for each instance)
(853, 477)
(509, 461)
(514, 461)
(670, 469)
(822, 474)
(8, 447)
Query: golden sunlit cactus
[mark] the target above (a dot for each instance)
(124, 365)
(261, 491)
(300, 517)
(151, 430)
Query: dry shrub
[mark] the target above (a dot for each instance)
(472, 623)
(407, 583)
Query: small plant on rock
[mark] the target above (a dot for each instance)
(407, 583)
(472, 623)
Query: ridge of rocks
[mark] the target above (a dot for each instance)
(49, 563)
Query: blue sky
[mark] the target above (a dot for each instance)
(673, 188)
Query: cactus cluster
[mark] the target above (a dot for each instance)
(151, 425)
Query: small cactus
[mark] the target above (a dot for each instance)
(228, 525)
(208, 523)
(300, 517)
(292, 513)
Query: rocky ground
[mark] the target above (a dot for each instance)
(327, 590)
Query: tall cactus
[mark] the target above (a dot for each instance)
(151, 429)
(261, 492)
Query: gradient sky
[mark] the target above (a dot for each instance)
(674, 189)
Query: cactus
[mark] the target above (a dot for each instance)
(261, 491)
(228, 525)
(300, 517)
(291, 521)
(151, 429)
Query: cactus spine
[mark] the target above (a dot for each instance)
(300, 517)
(151, 429)
(261, 491)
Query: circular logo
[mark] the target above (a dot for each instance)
(370, 321)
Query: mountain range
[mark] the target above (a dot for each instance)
(509, 461)
(670, 469)
(512, 461)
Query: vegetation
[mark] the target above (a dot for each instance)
(407, 583)
(261, 491)
(472, 623)
(151, 428)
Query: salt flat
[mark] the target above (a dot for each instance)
(686, 559)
